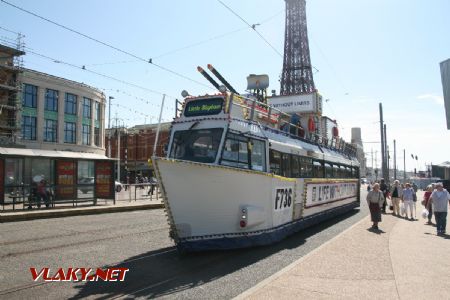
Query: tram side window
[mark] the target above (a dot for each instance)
(306, 167)
(317, 169)
(275, 162)
(295, 166)
(285, 165)
(328, 171)
(355, 172)
(348, 172)
(337, 171)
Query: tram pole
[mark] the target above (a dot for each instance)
(395, 161)
(383, 149)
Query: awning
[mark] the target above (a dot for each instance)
(51, 153)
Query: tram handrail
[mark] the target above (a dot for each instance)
(339, 144)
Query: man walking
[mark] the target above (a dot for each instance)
(440, 199)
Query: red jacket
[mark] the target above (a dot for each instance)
(426, 197)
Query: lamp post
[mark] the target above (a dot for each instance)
(109, 127)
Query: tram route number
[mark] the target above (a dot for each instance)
(283, 198)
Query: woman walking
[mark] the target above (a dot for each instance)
(427, 204)
(408, 201)
(375, 200)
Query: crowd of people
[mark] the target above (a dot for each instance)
(402, 199)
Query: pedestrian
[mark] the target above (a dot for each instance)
(383, 189)
(128, 182)
(440, 199)
(427, 204)
(407, 199)
(42, 193)
(396, 195)
(375, 200)
(152, 182)
(368, 187)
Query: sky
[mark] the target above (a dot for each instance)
(364, 52)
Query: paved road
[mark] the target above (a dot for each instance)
(139, 241)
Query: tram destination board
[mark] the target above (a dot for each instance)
(203, 107)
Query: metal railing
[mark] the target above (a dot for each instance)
(139, 191)
(25, 196)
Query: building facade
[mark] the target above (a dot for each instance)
(60, 114)
(136, 148)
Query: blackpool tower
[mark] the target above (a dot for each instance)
(297, 76)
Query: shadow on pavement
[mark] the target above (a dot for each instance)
(377, 231)
(164, 272)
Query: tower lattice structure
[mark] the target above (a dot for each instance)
(297, 76)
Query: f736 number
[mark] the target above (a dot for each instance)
(283, 198)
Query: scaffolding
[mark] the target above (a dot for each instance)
(11, 65)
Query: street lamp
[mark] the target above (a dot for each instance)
(109, 127)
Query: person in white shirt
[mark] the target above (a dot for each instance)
(440, 199)
(407, 199)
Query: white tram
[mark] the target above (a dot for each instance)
(238, 174)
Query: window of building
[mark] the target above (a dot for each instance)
(87, 108)
(29, 128)
(50, 130)
(70, 106)
(42, 168)
(29, 98)
(70, 132)
(97, 111)
(51, 100)
(97, 136)
(86, 135)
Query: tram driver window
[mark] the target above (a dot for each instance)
(235, 152)
(257, 155)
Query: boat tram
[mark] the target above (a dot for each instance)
(240, 173)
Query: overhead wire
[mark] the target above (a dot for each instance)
(97, 73)
(10, 31)
(195, 43)
(149, 60)
(252, 26)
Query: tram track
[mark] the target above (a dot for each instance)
(23, 287)
(78, 243)
(70, 233)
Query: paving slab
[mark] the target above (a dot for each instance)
(403, 260)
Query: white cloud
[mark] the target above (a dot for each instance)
(430, 97)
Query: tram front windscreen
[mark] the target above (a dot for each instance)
(196, 145)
